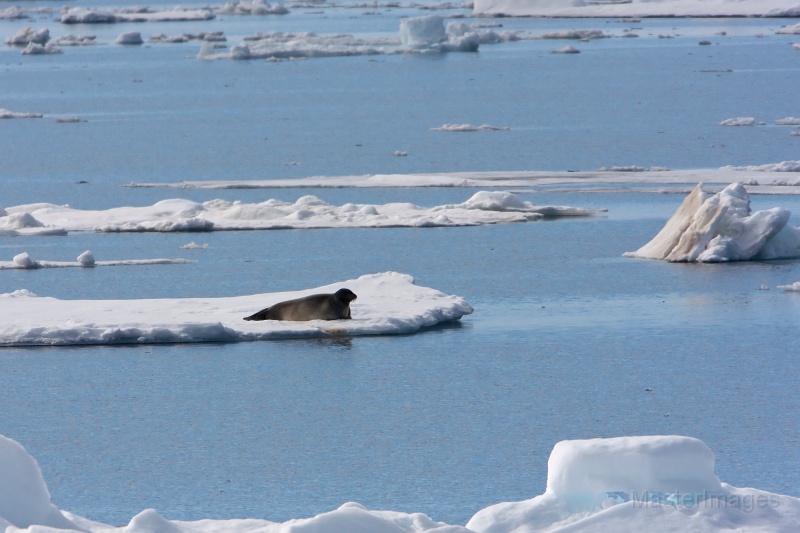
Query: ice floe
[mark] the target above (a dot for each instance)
(28, 35)
(569, 49)
(427, 34)
(34, 49)
(388, 303)
(723, 228)
(783, 166)
(305, 213)
(469, 127)
(636, 8)
(130, 38)
(788, 121)
(23, 261)
(740, 121)
(651, 483)
(662, 179)
(256, 7)
(80, 15)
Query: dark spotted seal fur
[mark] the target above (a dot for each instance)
(315, 307)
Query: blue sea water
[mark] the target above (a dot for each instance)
(568, 340)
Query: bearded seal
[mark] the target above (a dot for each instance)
(315, 307)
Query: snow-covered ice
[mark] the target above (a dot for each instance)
(307, 212)
(637, 8)
(632, 484)
(739, 121)
(624, 484)
(723, 228)
(388, 303)
(469, 127)
(130, 38)
(80, 15)
(86, 259)
(256, 7)
(569, 49)
(426, 34)
(28, 35)
(664, 179)
(5, 113)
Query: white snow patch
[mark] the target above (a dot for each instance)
(723, 228)
(388, 303)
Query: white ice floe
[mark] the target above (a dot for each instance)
(28, 35)
(79, 15)
(5, 113)
(569, 49)
(657, 484)
(788, 121)
(388, 303)
(130, 38)
(794, 287)
(74, 40)
(255, 7)
(469, 127)
(790, 30)
(636, 8)
(12, 13)
(783, 166)
(723, 228)
(578, 35)
(86, 259)
(306, 213)
(426, 34)
(739, 121)
(35, 49)
(654, 483)
(194, 246)
(661, 178)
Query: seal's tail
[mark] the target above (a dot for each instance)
(261, 315)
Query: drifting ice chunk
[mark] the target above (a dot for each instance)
(421, 32)
(23, 260)
(722, 228)
(130, 38)
(28, 35)
(86, 259)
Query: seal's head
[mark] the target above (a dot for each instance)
(345, 295)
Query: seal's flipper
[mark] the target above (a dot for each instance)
(261, 315)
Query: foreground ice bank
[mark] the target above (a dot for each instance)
(388, 303)
(634, 484)
(723, 228)
(654, 484)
